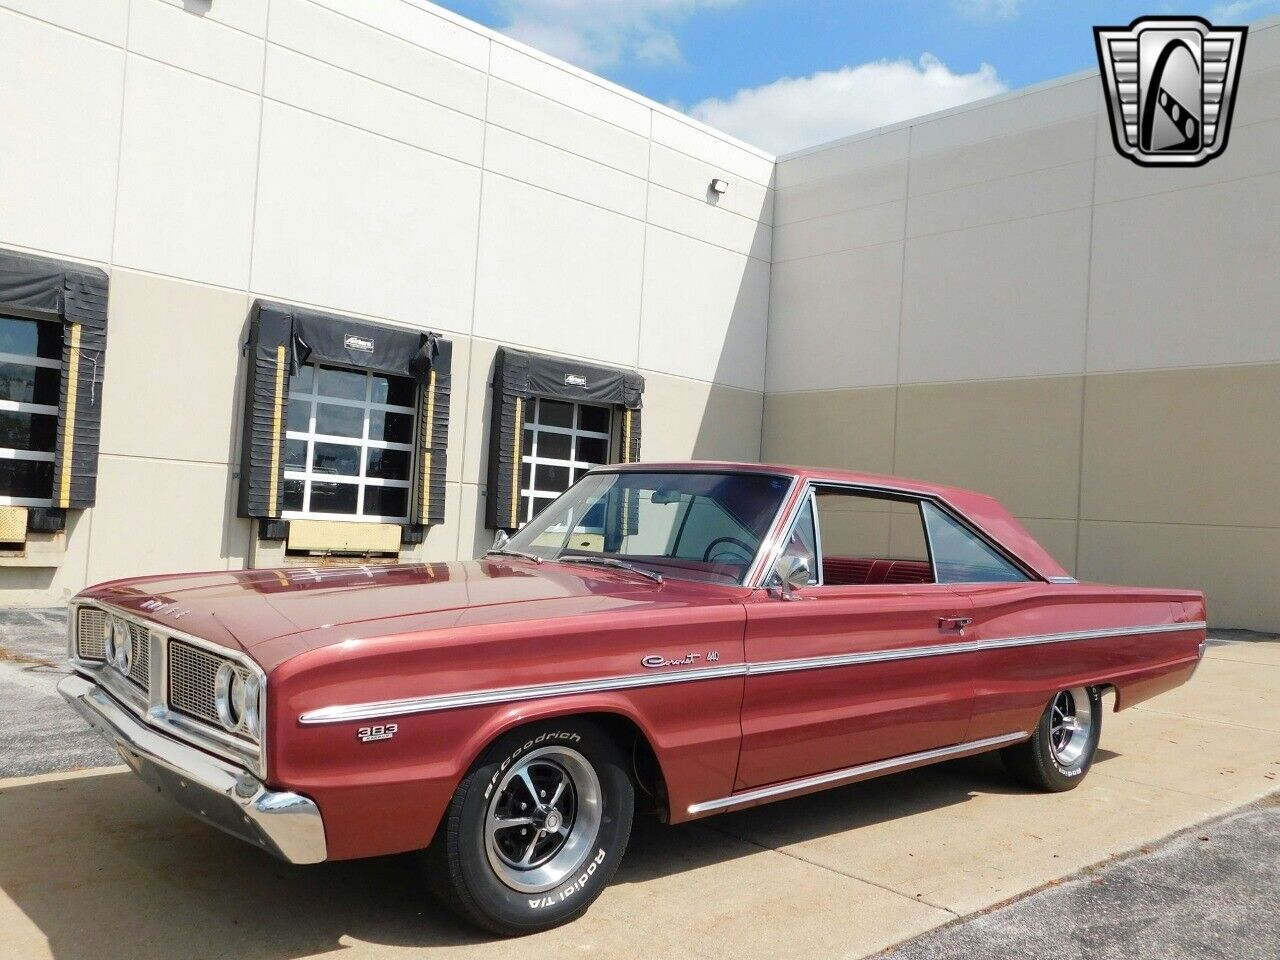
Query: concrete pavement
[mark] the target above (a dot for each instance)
(93, 865)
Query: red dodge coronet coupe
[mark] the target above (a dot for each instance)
(690, 637)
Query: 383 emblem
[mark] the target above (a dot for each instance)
(383, 731)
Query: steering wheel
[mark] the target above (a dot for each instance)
(733, 541)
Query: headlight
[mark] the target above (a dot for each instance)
(118, 644)
(236, 698)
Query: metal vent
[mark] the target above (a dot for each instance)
(89, 626)
(140, 670)
(193, 677)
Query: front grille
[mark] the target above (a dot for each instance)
(193, 674)
(89, 626)
(140, 669)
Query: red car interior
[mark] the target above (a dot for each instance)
(860, 571)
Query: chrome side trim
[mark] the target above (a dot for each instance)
(455, 701)
(1063, 580)
(849, 774)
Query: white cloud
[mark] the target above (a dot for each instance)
(599, 33)
(987, 9)
(792, 113)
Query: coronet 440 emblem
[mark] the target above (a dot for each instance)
(655, 661)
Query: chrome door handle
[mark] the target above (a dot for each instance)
(954, 623)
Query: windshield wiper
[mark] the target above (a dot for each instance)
(612, 562)
(504, 552)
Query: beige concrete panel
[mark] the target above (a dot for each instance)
(60, 194)
(1164, 294)
(692, 177)
(158, 516)
(246, 17)
(441, 543)
(62, 572)
(473, 538)
(849, 531)
(1065, 187)
(574, 289)
(319, 88)
(1006, 300)
(377, 54)
(705, 311)
(881, 223)
(166, 32)
(847, 429)
(523, 111)
(1234, 566)
(1184, 446)
(688, 137)
(533, 162)
(426, 25)
(1007, 154)
(692, 420)
(187, 169)
(1018, 440)
(104, 20)
(701, 219)
(834, 320)
(174, 378)
(399, 244)
(841, 191)
(473, 412)
(833, 161)
(1056, 536)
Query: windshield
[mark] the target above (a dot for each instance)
(700, 526)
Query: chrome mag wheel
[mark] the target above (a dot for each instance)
(543, 819)
(1070, 724)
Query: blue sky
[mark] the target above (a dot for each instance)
(789, 73)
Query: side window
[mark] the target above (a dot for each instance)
(803, 541)
(870, 539)
(962, 557)
(30, 378)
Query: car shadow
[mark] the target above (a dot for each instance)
(100, 859)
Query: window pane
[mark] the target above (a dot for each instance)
(303, 379)
(386, 501)
(295, 454)
(524, 475)
(334, 497)
(293, 494)
(962, 557)
(347, 384)
(554, 413)
(29, 384)
(554, 446)
(336, 458)
(393, 391)
(339, 421)
(31, 338)
(540, 504)
(870, 540)
(26, 478)
(299, 418)
(388, 465)
(391, 427)
(28, 431)
(551, 479)
(592, 450)
(803, 541)
(595, 419)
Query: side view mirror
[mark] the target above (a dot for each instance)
(792, 573)
(500, 540)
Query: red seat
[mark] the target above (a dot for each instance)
(862, 571)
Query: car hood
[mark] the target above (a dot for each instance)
(247, 609)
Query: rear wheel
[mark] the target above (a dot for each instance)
(536, 829)
(1061, 749)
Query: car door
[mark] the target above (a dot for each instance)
(848, 671)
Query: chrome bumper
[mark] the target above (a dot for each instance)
(215, 791)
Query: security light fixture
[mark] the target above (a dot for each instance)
(719, 187)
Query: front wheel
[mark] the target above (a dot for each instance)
(536, 829)
(1061, 749)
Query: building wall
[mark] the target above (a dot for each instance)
(992, 297)
(379, 158)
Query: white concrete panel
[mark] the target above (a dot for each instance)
(306, 28)
(687, 137)
(834, 320)
(1006, 300)
(101, 19)
(556, 274)
(168, 33)
(522, 111)
(248, 17)
(1059, 188)
(187, 169)
(1163, 295)
(355, 222)
(58, 192)
(422, 25)
(329, 91)
(692, 177)
(882, 223)
(570, 87)
(703, 220)
(705, 312)
(854, 189)
(836, 160)
(532, 161)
